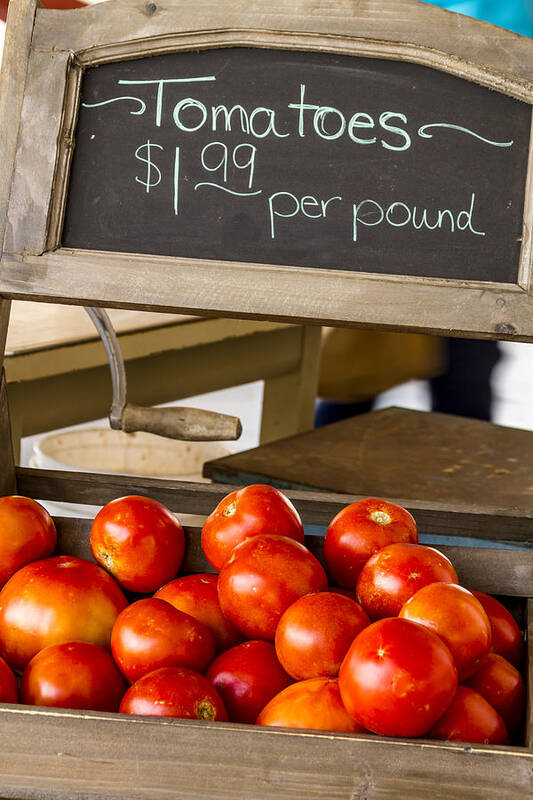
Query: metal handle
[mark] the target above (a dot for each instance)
(187, 424)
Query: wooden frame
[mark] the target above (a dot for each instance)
(59, 45)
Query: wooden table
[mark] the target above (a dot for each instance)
(475, 475)
(58, 374)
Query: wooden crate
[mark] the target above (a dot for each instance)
(54, 753)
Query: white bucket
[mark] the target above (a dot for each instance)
(104, 450)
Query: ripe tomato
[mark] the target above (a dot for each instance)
(314, 704)
(174, 692)
(151, 633)
(60, 599)
(8, 684)
(393, 575)
(252, 511)
(470, 718)
(502, 686)
(358, 531)
(397, 678)
(506, 636)
(139, 541)
(197, 595)
(247, 677)
(315, 632)
(261, 578)
(27, 533)
(457, 617)
(73, 675)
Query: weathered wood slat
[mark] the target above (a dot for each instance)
(93, 755)
(315, 507)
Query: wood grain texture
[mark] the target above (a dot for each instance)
(265, 292)
(61, 754)
(318, 508)
(12, 82)
(34, 327)
(411, 27)
(397, 452)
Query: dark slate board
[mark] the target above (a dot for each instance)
(454, 171)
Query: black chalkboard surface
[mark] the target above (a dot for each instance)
(298, 158)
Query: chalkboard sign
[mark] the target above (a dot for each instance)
(298, 158)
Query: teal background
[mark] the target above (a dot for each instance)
(517, 15)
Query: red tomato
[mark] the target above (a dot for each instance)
(252, 511)
(247, 677)
(61, 599)
(470, 718)
(73, 675)
(151, 633)
(174, 692)
(506, 636)
(197, 595)
(314, 704)
(393, 575)
(457, 617)
(502, 686)
(315, 632)
(8, 684)
(27, 533)
(360, 530)
(139, 541)
(397, 678)
(261, 578)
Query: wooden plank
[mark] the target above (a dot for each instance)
(502, 572)
(60, 754)
(34, 327)
(314, 507)
(72, 385)
(12, 83)
(289, 399)
(419, 32)
(264, 292)
(398, 453)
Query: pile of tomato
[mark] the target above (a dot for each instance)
(385, 642)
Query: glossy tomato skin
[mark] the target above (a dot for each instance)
(252, 511)
(393, 575)
(197, 595)
(261, 578)
(59, 599)
(8, 684)
(139, 541)
(73, 675)
(470, 718)
(315, 632)
(502, 686)
(315, 704)
(397, 678)
(361, 529)
(27, 533)
(247, 677)
(151, 633)
(507, 638)
(454, 614)
(174, 692)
